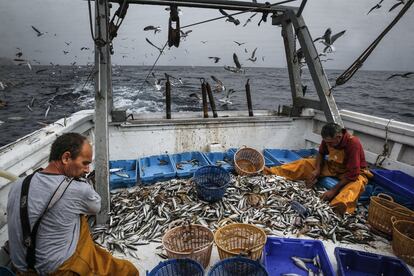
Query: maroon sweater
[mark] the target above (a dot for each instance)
(354, 154)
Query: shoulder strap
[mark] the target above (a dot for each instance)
(29, 237)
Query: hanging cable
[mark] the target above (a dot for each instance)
(385, 151)
(348, 73)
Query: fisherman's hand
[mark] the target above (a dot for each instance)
(312, 179)
(329, 195)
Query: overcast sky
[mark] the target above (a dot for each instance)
(68, 19)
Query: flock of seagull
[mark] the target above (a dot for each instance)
(327, 39)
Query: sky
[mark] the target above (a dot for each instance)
(67, 22)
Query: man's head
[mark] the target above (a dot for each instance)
(331, 134)
(72, 154)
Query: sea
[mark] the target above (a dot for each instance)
(44, 94)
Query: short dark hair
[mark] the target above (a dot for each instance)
(330, 130)
(71, 142)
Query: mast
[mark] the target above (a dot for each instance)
(103, 106)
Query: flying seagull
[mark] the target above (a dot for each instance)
(152, 44)
(68, 43)
(405, 75)
(39, 33)
(203, 41)
(219, 85)
(238, 68)
(377, 6)
(239, 43)
(253, 58)
(249, 19)
(328, 39)
(399, 2)
(216, 59)
(184, 35)
(153, 28)
(230, 18)
(226, 99)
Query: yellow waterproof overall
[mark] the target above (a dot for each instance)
(303, 168)
(91, 259)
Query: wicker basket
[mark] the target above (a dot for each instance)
(381, 208)
(248, 161)
(240, 239)
(403, 239)
(190, 241)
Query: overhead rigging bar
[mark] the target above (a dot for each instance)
(217, 4)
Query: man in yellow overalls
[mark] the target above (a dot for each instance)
(346, 161)
(47, 226)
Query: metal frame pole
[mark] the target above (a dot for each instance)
(102, 108)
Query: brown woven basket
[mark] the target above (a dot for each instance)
(190, 241)
(403, 239)
(381, 208)
(240, 239)
(248, 161)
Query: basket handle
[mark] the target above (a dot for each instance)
(385, 196)
(393, 220)
(403, 211)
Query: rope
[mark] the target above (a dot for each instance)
(381, 157)
(347, 75)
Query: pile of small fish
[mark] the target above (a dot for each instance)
(144, 213)
(301, 263)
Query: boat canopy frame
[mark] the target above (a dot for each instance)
(292, 23)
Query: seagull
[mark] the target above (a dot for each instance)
(249, 19)
(65, 52)
(178, 80)
(68, 43)
(377, 6)
(19, 54)
(405, 75)
(399, 2)
(84, 48)
(152, 28)
(203, 41)
(262, 58)
(39, 33)
(185, 34)
(230, 18)
(329, 40)
(226, 99)
(219, 85)
(253, 58)
(152, 44)
(195, 96)
(239, 43)
(238, 68)
(216, 59)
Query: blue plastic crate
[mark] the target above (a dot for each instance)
(177, 267)
(358, 263)
(281, 156)
(397, 182)
(306, 153)
(278, 252)
(117, 178)
(221, 159)
(237, 266)
(400, 199)
(184, 167)
(156, 168)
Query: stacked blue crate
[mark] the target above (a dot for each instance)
(395, 183)
(122, 173)
(187, 163)
(156, 168)
(221, 159)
